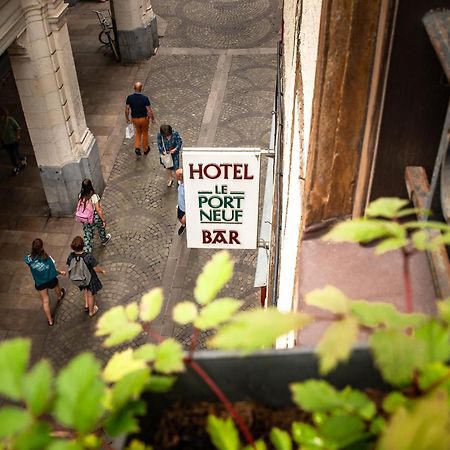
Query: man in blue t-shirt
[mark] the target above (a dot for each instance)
(141, 111)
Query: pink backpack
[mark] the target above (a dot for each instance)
(84, 212)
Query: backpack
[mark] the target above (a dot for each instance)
(84, 212)
(79, 272)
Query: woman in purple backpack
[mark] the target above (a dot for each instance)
(90, 213)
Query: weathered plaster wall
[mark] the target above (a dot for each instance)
(300, 43)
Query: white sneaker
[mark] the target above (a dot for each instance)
(108, 238)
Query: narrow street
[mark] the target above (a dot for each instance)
(213, 80)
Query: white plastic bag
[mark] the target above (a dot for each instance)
(129, 131)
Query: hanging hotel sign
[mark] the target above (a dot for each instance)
(221, 191)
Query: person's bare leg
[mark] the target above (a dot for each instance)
(169, 177)
(183, 220)
(86, 299)
(93, 308)
(46, 305)
(58, 291)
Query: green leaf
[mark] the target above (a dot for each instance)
(391, 244)
(215, 275)
(147, 352)
(423, 427)
(435, 374)
(422, 241)
(280, 439)
(393, 401)
(80, 391)
(118, 326)
(121, 364)
(444, 310)
(436, 339)
(160, 384)
(397, 356)
(329, 298)
(37, 387)
(364, 230)
(315, 396)
(129, 387)
(373, 314)
(65, 445)
(216, 313)
(422, 212)
(378, 425)
(169, 357)
(124, 420)
(14, 356)
(427, 225)
(36, 437)
(151, 304)
(387, 207)
(184, 312)
(132, 312)
(137, 445)
(255, 329)
(336, 343)
(13, 421)
(343, 430)
(223, 433)
(259, 445)
(356, 402)
(307, 436)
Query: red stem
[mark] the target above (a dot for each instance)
(221, 396)
(407, 288)
(194, 341)
(210, 382)
(153, 334)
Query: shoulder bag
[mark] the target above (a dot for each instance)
(166, 157)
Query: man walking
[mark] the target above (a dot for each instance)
(181, 210)
(141, 111)
(10, 139)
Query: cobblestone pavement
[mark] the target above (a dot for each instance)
(213, 80)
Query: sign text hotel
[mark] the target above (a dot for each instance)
(221, 187)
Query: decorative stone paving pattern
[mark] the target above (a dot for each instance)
(219, 23)
(140, 209)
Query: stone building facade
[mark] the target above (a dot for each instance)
(35, 36)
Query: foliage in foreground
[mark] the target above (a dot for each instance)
(71, 410)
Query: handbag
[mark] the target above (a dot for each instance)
(166, 157)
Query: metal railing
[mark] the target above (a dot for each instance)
(278, 149)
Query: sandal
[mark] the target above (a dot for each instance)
(63, 293)
(86, 309)
(95, 311)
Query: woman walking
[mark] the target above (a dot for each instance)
(94, 285)
(169, 141)
(45, 275)
(88, 200)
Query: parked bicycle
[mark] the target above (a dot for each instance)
(106, 35)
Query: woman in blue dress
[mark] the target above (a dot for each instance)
(169, 141)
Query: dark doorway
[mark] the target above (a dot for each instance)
(417, 95)
(21, 195)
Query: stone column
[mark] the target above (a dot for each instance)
(42, 62)
(136, 29)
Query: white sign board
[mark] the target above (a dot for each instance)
(222, 191)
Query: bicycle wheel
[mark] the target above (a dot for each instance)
(112, 45)
(103, 37)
